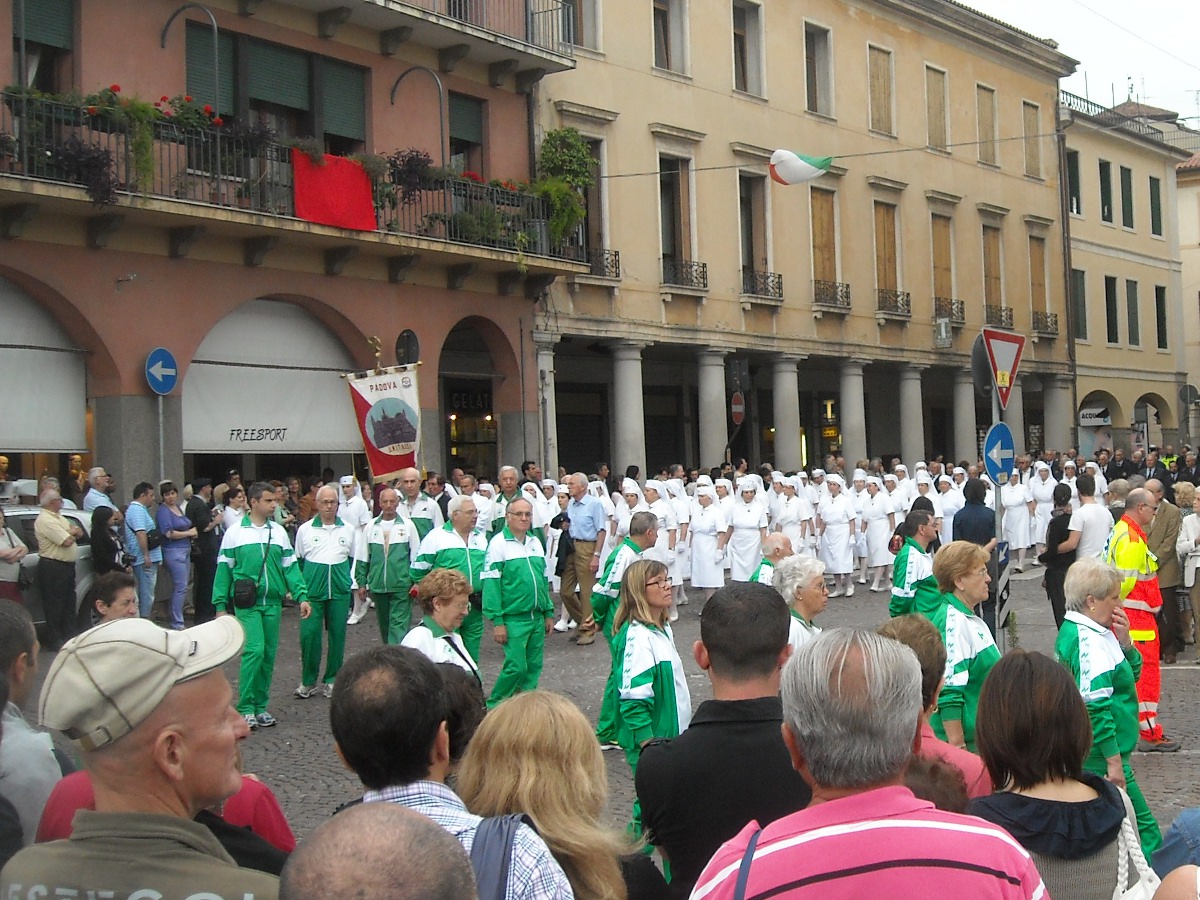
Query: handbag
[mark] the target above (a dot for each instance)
(154, 539)
(1129, 849)
(245, 590)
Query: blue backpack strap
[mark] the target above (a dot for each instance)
(491, 852)
(739, 890)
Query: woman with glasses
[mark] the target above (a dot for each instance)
(961, 571)
(444, 595)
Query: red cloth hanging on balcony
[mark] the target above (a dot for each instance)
(337, 192)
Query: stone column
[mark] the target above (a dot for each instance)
(1014, 415)
(912, 415)
(548, 416)
(853, 411)
(965, 439)
(714, 428)
(629, 418)
(1057, 411)
(786, 395)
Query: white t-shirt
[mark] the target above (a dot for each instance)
(1094, 522)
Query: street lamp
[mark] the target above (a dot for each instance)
(216, 79)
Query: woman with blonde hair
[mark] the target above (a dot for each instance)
(535, 753)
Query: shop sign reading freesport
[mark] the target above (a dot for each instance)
(256, 435)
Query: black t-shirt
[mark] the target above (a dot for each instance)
(700, 789)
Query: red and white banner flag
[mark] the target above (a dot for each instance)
(388, 410)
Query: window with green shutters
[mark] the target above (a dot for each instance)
(279, 75)
(1126, 197)
(344, 99)
(200, 72)
(1079, 303)
(50, 22)
(466, 132)
(1156, 227)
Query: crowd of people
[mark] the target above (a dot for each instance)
(1006, 776)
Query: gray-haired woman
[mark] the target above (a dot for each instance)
(801, 581)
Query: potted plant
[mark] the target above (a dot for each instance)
(87, 164)
(410, 173)
(565, 170)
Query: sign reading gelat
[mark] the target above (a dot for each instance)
(256, 435)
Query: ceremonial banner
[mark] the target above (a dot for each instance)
(388, 411)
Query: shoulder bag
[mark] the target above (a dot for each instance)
(245, 590)
(1129, 850)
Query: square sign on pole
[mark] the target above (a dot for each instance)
(1004, 351)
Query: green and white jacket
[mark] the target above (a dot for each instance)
(1107, 677)
(424, 514)
(652, 692)
(970, 654)
(514, 579)
(241, 556)
(764, 573)
(801, 631)
(500, 510)
(914, 589)
(324, 552)
(444, 549)
(387, 571)
(607, 593)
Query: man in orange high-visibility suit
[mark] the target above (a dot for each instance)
(1129, 554)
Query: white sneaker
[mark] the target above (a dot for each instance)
(673, 617)
(849, 590)
(354, 619)
(572, 625)
(560, 626)
(835, 593)
(306, 691)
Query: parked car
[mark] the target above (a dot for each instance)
(21, 519)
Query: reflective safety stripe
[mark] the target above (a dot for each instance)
(1141, 636)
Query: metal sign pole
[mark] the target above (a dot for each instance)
(162, 453)
(1001, 581)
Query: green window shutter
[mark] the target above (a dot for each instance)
(47, 22)
(344, 99)
(279, 75)
(466, 118)
(200, 67)
(1156, 225)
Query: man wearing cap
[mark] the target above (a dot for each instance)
(418, 507)
(149, 711)
(383, 566)
(776, 548)
(259, 553)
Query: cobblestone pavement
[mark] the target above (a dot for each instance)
(297, 758)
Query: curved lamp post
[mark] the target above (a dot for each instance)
(216, 79)
(441, 101)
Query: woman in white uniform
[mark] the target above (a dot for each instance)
(1016, 524)
(709, 532)
(1041, 489)
(1069, 473)
(952, 501)
(607, 543)
(725, 501)
(681, 506)
(788, 515)
(837, 522)
(858, 496)
(880, 520)
(747, 531)
(634, 502)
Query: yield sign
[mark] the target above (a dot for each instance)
(1004, 351)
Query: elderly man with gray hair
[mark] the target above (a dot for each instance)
(100, 485)
(851, 722)
(57, 551)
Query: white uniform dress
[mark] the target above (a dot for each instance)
(661, 550)
(1016, 525)
(837, 545)
(789, 521)
(859, 500)
(745, 544)
(879, 530)
(952, 501)
(1042, 492)
(707, 525)
(681, 507)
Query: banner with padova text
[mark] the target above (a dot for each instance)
(388, 410)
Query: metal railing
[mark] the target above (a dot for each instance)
(685, 273)
(831, 295)
(894, 303)
(1000, 316)
(548, 24)
(1045, 323)
(605, 263)
(233, 168)
(762, 284)
(947, 308)
(1106, 116)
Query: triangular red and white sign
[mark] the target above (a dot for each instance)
(1004, 351)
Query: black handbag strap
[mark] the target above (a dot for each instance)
(739, 890)
(266, 546)
(470, 663)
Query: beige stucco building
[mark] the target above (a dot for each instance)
(942, 203)
(1128, 324)
(1188, 181)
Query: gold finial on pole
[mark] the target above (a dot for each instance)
(376, 345)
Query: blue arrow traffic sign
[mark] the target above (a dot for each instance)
(162, 372)
(999, 453)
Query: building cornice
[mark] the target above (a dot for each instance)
(570, 109)
(675, 133)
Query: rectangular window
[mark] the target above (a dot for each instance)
(343, 105)
(985, 112)
(943, 257)
(674, 207)
(1111, 315)
(1079, 303)
(1106, 195)
(279, 76)
(1037, 272)
(1126, 197)
(466, 132)
(198, 55)
(1156, 227)
(818, 70)
(48, 22)
(936, 103)
(670, 29)
(993, 283)
(824, 234)
(584, 27)
(886, 278)
(1160, 315)
(1031, 128)
(879, 76)
(1131, 305)
(1074, 194)
(747, 48)
(752, 221)
(594, 221)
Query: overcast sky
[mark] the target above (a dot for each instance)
(1115, 41)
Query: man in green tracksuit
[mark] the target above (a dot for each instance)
(643, 533)
(914, 589)
(417, 507)
(324, 547)
(460, 546)
(516, 598)
(506, 481)
(383, 567)
(259, 551)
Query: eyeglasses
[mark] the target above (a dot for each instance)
(521, 515)
(1153, 509)
(656, 581)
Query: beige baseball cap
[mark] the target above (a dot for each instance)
(108, 680)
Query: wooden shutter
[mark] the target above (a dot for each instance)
(1033, 143)
(885, 246)
(1037, 272)
(879, 68)
(49, 22)
(279, 75)
(1079, 303)
(824, 235)
(985, 110)
(199, 61)
(344, 99)
(1156, 225)
(1126, 197)
(935, 102)
(993, 294)
(466, 118)
(943, 260)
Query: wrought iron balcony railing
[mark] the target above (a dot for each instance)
(1045, 323)
(946, 308)
(894, 303)
(831, 295)
(1000, 316)
(685, 273)
(1108, 117)
(548, 24)
(605, 263)
(762, 284)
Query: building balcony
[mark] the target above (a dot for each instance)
(604, 263)
(685, 273)
(892, 304)
(998, 316)
(831, 296)
(766, 285)
(1108, 117)
(954, 310)
(1045, 324)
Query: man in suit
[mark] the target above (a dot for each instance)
(1151, 468)
(1189, 471)
(1117, 467)
(1161, 537)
